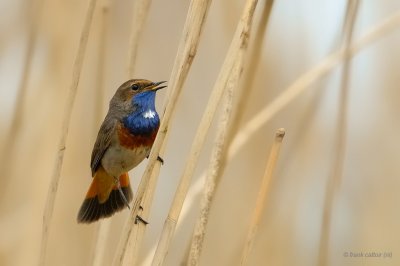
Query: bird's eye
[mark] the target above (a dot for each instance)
(135, 87)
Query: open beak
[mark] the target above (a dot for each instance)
(155, 86)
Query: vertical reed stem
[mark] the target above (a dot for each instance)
(8, 151)
(100, 243)
(262, 195)
(103, 227)
(139, 16)
(251, 67)
(55, 178)
(101, 64)
(137, 234)
(341, 137)
(216, 166)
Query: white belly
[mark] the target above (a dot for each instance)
(118, 160)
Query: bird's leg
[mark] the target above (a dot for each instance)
(138, 218)
(118, 184)
(161, 160)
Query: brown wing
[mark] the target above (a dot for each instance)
(102, 142)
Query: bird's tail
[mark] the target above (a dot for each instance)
(104, 198)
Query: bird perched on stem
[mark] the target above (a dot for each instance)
(125, 138)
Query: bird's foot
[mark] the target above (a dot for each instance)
(140, 219)
(161, 160)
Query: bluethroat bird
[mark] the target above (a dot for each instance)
(125, 138)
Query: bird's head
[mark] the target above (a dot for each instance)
(136, 93)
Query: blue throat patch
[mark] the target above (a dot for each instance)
(135, 122)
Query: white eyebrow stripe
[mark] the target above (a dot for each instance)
(149, 114)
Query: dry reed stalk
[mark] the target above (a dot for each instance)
(216, 166)
(262, 195)
(294, 90)
(224, 133)
(334, 180)
(139, 16)
(102, 50)
(138, 230)
(14, 132)
(137, 234)
(239, 43)
(55, 178)
(251, 68)
(100, 242)
(35, 12)
(103, 227)
(187, 50)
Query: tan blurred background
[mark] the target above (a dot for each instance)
(299, 35)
